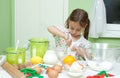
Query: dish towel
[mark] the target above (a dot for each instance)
(98, 19)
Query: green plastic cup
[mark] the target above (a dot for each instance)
(16, 57)
(38, 46)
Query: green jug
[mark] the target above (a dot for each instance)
(38, 47)
(15, 57)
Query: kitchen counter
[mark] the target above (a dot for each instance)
(115, 71)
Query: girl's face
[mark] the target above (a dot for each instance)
(75, 29)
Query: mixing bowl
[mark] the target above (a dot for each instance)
(103, 56)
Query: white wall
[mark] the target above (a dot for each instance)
(32, 17)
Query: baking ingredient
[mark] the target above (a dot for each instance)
(58, 68)
(98, 66)
(38, 69)
(36, 60)
(52, 73)
(21, 66)
(48, 69)
(76, 67)
(50, 57)
(69, 59)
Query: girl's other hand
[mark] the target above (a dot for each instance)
(73, 48)
(83, 53)
(79, 52)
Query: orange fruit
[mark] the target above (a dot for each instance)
(69, 59)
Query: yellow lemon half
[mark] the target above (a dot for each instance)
(36, 60)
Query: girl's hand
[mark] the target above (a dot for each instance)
(83, 53)
(79, 51)
(68, 42)
(73, 48)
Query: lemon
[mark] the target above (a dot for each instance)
(36, 60)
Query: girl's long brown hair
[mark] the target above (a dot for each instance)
(81, 16)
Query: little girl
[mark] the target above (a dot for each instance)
(74, 34)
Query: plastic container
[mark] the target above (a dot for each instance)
(38, 46)
(104, 55)
(15, 57)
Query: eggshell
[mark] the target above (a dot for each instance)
(76, 67)
(58, 68)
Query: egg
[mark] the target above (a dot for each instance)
(21, 66)
(38, 69)
(52, 73)
(58, 68)
(48, 69)
(28, 64)
(76, 67)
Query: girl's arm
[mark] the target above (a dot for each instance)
(57, 32)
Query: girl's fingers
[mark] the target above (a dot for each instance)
(73, 48)
(69, 41)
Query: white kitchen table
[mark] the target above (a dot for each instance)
(115, 71)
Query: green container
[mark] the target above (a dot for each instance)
(16, 57)
(38, 46)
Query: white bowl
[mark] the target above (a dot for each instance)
(72, 74)
(76, 69)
